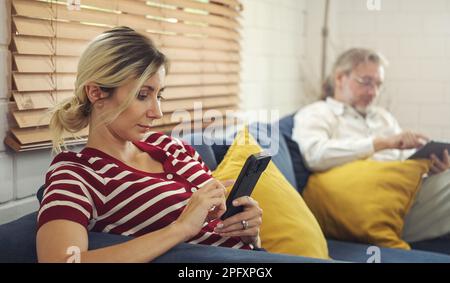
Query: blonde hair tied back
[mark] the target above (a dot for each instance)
(109, 61)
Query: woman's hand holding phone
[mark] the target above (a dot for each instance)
(245, 221)
(245, 224)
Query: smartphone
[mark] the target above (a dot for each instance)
(248, 177)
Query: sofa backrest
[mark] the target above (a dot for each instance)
(266, 136)
(301, 172)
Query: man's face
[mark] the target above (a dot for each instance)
(360, 88)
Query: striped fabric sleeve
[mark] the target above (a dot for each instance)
(194, 154)
(65, 198)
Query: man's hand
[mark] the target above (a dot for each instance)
(439, 166)
(405, 140)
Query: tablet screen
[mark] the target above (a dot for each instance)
(432, 147)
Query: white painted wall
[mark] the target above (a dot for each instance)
(20, 174)
(415, 37)
(273, 49)
(315, 14)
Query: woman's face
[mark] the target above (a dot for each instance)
(136, 120)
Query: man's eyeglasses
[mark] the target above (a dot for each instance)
(368, 82)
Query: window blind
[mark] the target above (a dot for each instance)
(200, 37)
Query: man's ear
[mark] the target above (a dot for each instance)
(339, 79)
(94, 92)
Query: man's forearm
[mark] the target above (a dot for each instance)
(380, 144)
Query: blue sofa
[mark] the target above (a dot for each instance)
(17, 238)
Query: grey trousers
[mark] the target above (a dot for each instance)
(429, 216)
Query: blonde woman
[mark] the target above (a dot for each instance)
(129, 180)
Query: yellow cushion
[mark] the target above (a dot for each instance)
(365, 201)
(288, 225)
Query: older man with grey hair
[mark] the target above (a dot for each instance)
(346, 126)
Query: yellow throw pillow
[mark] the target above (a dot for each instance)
(365, 201)
(288, 225)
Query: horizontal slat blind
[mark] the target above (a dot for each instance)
(36, 138)
(66, 64)
(200, 37)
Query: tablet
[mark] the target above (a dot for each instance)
(432, 147)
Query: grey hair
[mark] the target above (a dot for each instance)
(347, 62)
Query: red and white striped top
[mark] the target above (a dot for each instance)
(103, 194)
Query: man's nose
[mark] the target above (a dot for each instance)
(372, 90)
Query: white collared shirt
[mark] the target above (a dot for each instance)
(330, 133)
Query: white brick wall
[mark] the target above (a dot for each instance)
(6, 175)
(20, 175)
(5, 37)
(273, 40)
(5, 66)
(15, 209)
(35, 164)
(3, 122)
(415, 37)
(5, 79)
(5, 27)
(6, 160)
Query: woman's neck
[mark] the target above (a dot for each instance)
(107, 142)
